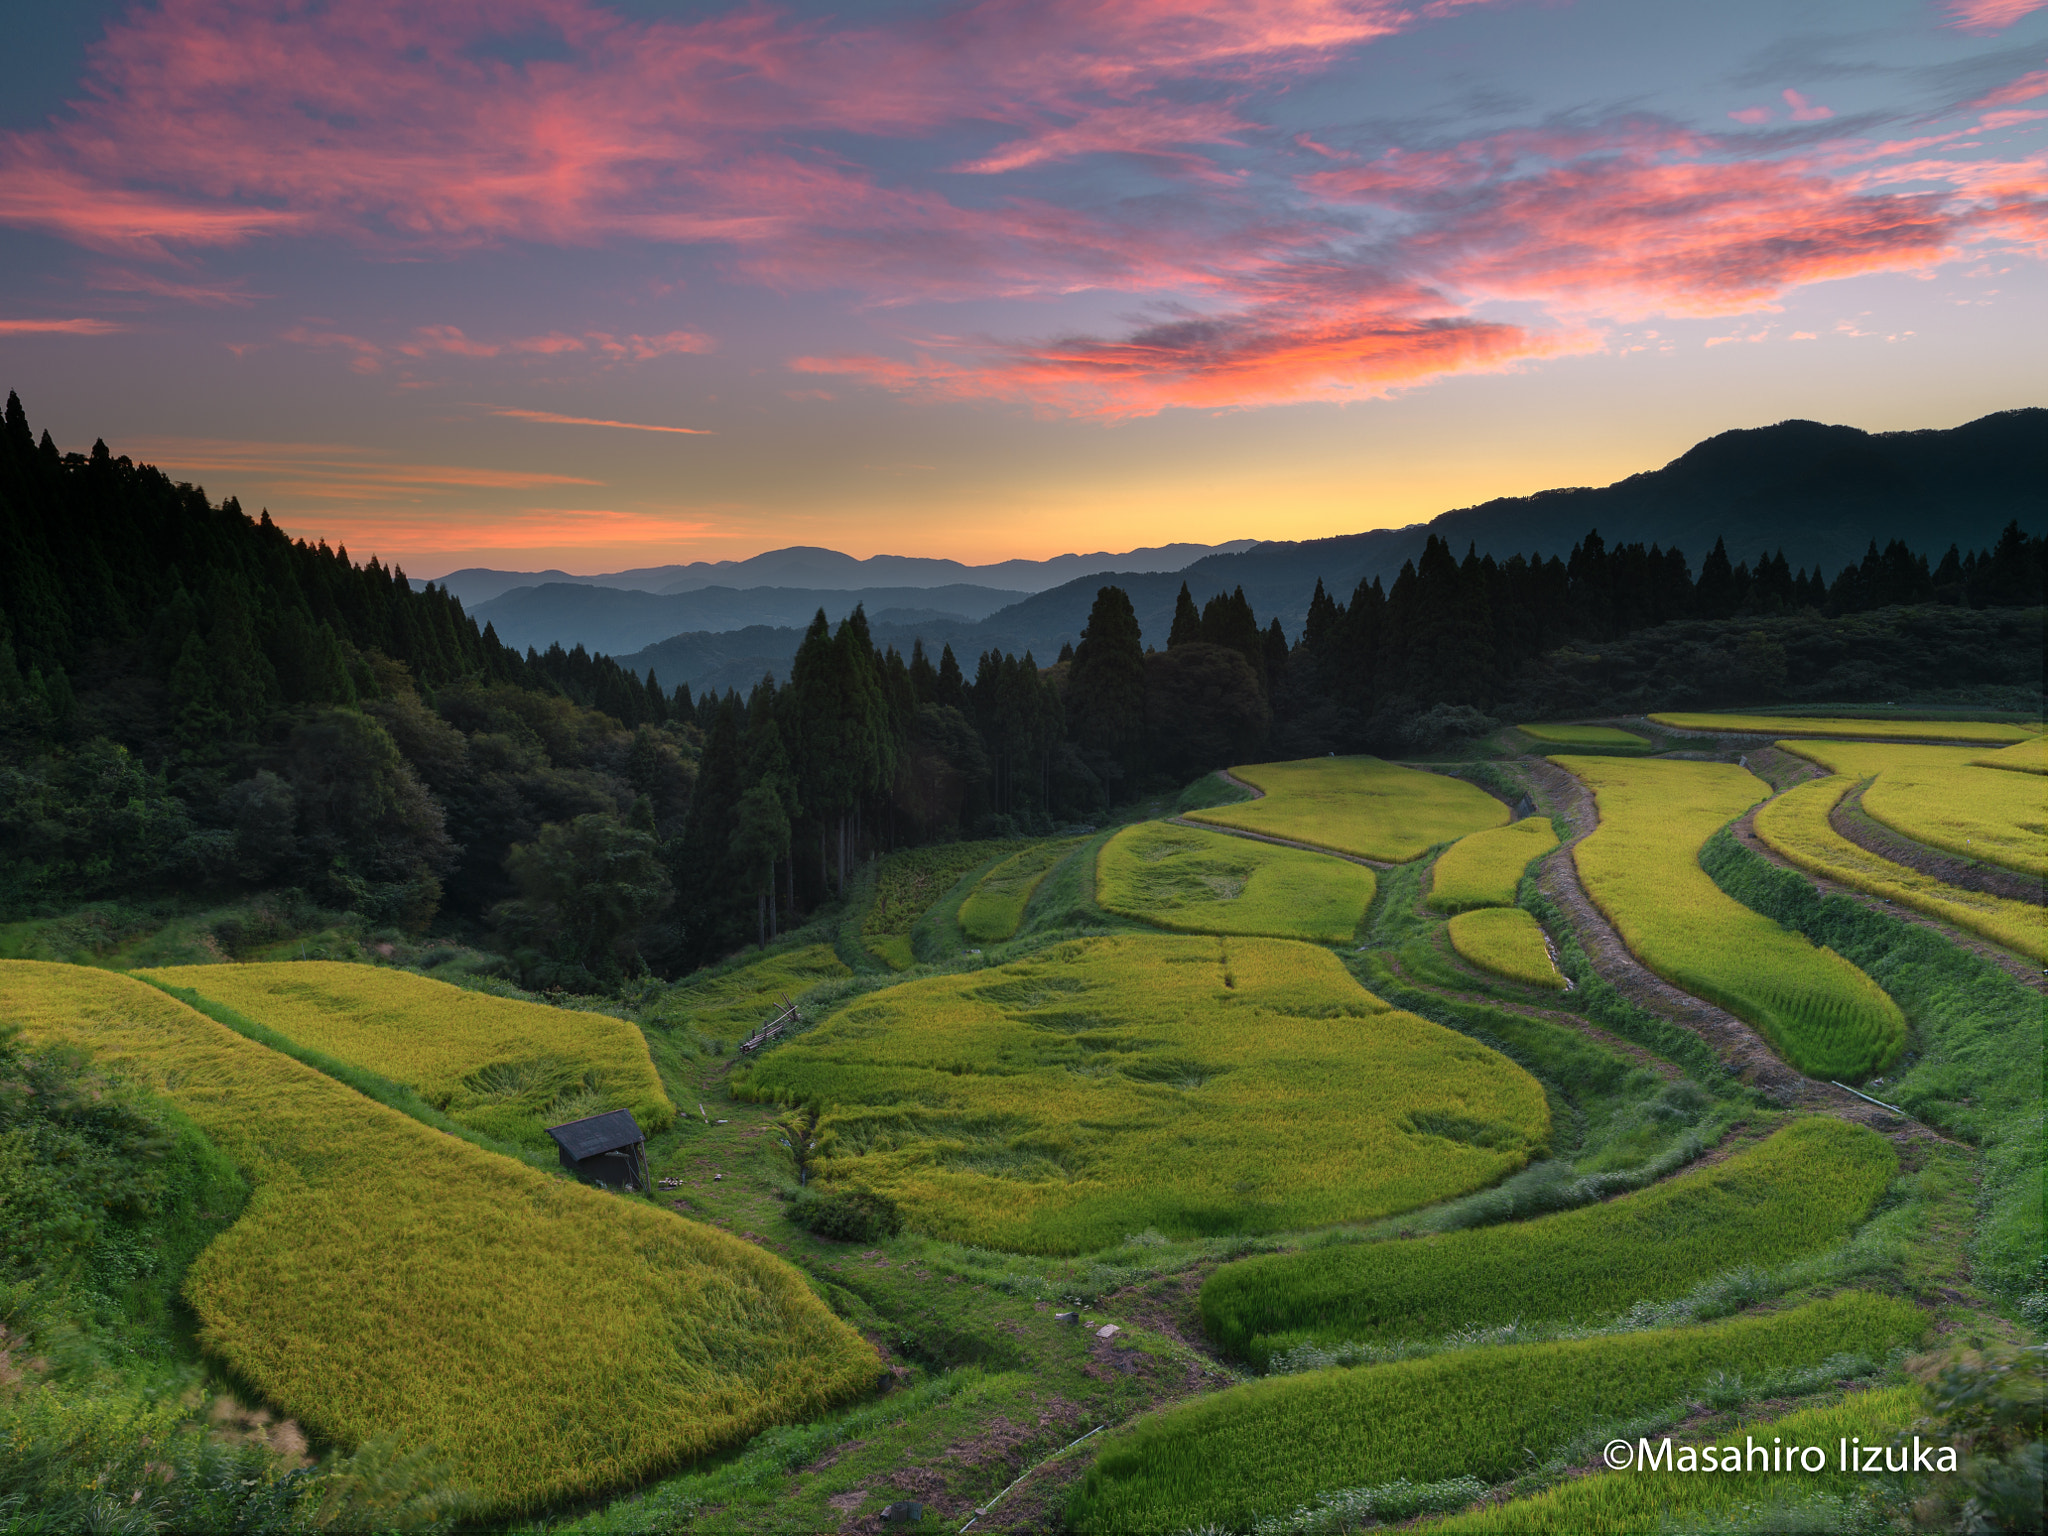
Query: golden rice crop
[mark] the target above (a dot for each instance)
(495, 1064)
(1211, 882)
(1799, 1192)
(994, 909)
(1641, 867)
(1358, 805)
(2020, 757)
(550, 1339)
(1636, 1502)
(1270, 1447)
(1188, 1085)
(908, 882)
(1936, 796)
(1508, 942)
(1584, 735)
(1795, 826)
(732, 1003)
(1482, 869)
(1869, 730)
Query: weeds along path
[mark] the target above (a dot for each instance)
(1263, 837)
(1741, 1047)
(2018, 967)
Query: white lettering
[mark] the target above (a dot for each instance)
(1689, 1459)
(1658, 1460)
(1813, 1459)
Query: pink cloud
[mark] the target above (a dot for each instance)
(2026, 88)
(1804, 111)
(58, 327)
(1752, 115)
(121, 280)
(591, 421)
(1988, 15)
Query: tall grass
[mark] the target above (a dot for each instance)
(1865, 730)
(1508, 942)
(495, 1065)
(908, 882)
(1640, 867)
(1211, 882)
(1482, 869)
(1802, 1190)
(1272, 1446)
(1795, 826)
(994, 909)
(1938, 796)
(1193, 1086)
(1359, 805)
(389, 1279)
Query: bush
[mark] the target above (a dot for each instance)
(846, 1216)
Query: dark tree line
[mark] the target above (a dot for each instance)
(190, 700)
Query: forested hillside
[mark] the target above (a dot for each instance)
(192, 702)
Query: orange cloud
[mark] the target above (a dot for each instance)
(1988, 15)
(591, 421)
(331, 472)
(58, 327)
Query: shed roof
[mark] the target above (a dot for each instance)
(589, 1137)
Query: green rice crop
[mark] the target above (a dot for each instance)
(2020, 757)
(1867, 730)
(496, 1065)
(1795, 827)
(1584, 735)
(1508, 942)
(1482, 869)
(1271, 1446)
(1358, 805)
(1210, 882)
(1641, 867)
(1938, 796)
(1192, 1086)
(550, 1339)
(994, 909)
(1638, 1503)
(1797, 1193)
(908, 882)
(734, 1001)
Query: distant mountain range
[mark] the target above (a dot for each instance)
(806, 567)
(1819, 493)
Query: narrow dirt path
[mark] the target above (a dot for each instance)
(1264, 837)
(1746, 1053)
(1853, 822)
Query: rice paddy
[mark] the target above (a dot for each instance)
(1938, 796)
(1584, 735)
(549, 1339)
(907, 884)
(994, 909)
(729, 1004)
(1210, 882)
(1358, 805)
(2020, 757)
(1866, 730)
(497, 1065)
(1483, 869)
(1189, 1086)
(1795, 826)
(1799, 1192)
(1269, 1447)
(1641, 868)
(1508, 942)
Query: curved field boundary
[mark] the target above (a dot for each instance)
(1853, 730)
(2020, 757)
(498, 1065)
(994, 909)
(1187, 820)
(1483, 869)
(1936, 796)
(1508, 942)
(1641, 866)
(1362, 806)
(1271, 1446)
(1565, 735)
(389, 1279)
(1797, 826)
(1798, 1192)
(1198, 880)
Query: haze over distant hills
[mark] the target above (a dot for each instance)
(1820, 493)
(804, 566)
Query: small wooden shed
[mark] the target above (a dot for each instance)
(608, 1149)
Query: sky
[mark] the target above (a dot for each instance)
(594, 285)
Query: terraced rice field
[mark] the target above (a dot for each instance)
(1483, 869)
(1191, 1086)
(1269, 1447)
(906, 886)
(1867, 730)
(994, 909)
(1358, 805)
(1795, 826)
(1641, 868)
(387, 1279)
(1633, 1502)
(1210, 882)
(1800, 1192)
(731, 1004)
(1937, 796)
(1584, 735)
(2020, 757)
(497, 1065)
(1508, 942)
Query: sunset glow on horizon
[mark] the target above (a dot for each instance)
(599, 285)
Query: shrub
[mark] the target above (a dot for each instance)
(847, 1215)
